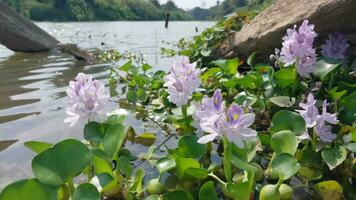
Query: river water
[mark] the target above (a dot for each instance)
(32, 86)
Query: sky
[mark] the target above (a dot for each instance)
(189, 4)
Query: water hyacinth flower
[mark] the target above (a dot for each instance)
(335, 46)
(297, 47)
(86, 96)
(319, 122)
(310, 112)
(214, 119)
(182, 81)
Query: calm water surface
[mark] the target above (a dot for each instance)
(32, 86)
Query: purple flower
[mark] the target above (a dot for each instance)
(297, 47)
(213, 118)
(310, 112)
(319, 122)
(335, 46)
(182, 81)
(208, 109)
(237, 125)
(86, 96)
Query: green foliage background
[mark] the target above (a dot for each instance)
(110, 10)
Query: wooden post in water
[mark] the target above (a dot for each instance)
(167, 20)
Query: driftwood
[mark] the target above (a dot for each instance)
(19, 34)
(264, 33)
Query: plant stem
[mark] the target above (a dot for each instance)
(217, 178)
(185, 110)
(227, 159)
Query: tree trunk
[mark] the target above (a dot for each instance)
(264, 33)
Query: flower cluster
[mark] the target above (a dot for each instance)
(298, 48)
(86, 96)
(313, 119)
(213, 117)
(182, 81)
(335, 46)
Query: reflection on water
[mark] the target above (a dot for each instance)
(32, 86)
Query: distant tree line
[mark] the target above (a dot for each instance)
(110, 10)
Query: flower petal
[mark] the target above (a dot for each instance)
(207, 138)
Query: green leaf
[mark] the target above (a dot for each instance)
(101, 165)
(126, 67)
(207, 191)
(116, 119)
(153, 197)
(205, 52)
(86, 191)
(165, 164)
(178, 195)
(146, 67)
(285, 77)
(219, 63)
(242, 164)
(251, 59)
(285, 165)
(146, 139)
(334, 156)
(324, 66)
(283, 101)
(252, 80)
(288, 120)
(114, 139)
(185, 163)
(37, 147)
(231, 66)
(266, 72)
(241, 191)
(210, 73)
(284, 142)
(329, 190)
(137, 185)
(188, 147)
(310, 173)
(131, 96)
(28, 189)
(351, 147)
(124, 166)
(93, 132)
(196, 173)
(62, 162)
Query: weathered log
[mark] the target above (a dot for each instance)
(19, 34)
(77, 52)
(264, 33)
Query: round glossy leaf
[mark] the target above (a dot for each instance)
(189, 147)
(86, 191)
(324, 66)
(207, 191)
(288, 120)
(28, 189)
(93, 132)
(37, 147)
(114, 139)
(283, 101)
(165, 164)
(62, 162)
(285, 77)
(185, 163)
(284, 142)
(285, 166)
(334, 156)
(329, 190)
